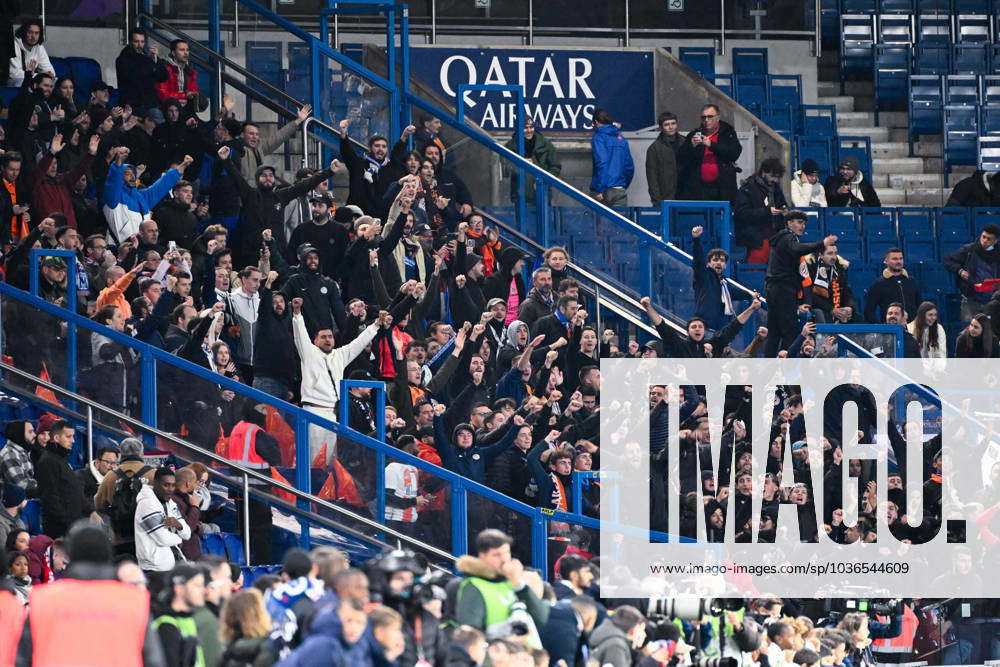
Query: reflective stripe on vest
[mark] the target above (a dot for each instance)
(243, 446)
(85, 623)
(498, 596)
(188, 629)
(903, 643)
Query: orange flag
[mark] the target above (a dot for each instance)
(279, 429)
(347, 490)
(46, 393)
(319, 461)
(280, 493)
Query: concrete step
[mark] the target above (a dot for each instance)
(893, 119)
(933, 165)
(890, 149)
(914, 181)
(925, 148)
(890, 197)
(899, 134)
(879, 181)
(898, 165)
(827, 89)
(877, 134)
(927, 196)
(843, 103)
(855, 119)
(859, 88)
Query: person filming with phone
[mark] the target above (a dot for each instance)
(707, 159)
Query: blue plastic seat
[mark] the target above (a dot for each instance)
(916, 222)
(971, 6)
(32, 516)
(784, 89)
(857, 44)
(7, 95)
(85, 72)
(878, 222)
(62, 67)
(961, 131)
(926, 102)
(919, 249)
(953, 222)
(892, 75)
(779, 118)
(877, 246)
(933, 6)
(895, 6)
(972, 28)
(841, 222)
(234, 548)
(961, 89)
(932, 58)
(751, 90)
(933, 29)
(750, 61)
(989, 92)
(264, 60)
(723, 82)
(993, 59)
(989, 153)
(968, 59)
(895, 29)
(989, 119)
(818, 120)
(699, 58)
(858, 6)
(214, 544)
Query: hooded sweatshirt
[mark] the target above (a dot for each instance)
(610, 646)
(15, 459)
(125, 206)
(472, 461)
(509, 347)
(860, 191)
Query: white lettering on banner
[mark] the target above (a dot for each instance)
(573, 85)
(549, 116)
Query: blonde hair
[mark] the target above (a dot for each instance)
(382, 616)
(244, 615)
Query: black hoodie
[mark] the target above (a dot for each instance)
(274, 354)
(61, 492)
(783, 264)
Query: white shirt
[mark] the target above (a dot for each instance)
(155, 542)
(36, 53)
(321, 371)
(402, 479)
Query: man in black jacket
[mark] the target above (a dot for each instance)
(330, 238)
(175, 216)
(661, 160)
(263, 205)
(712, 297)
(849, 187)
(561, 323)
(275, 364)
(760, 209)
(322, 306)
(563, 635)
(135, 76)
(893, 285)
(695, 343)
(92, 474)
(783, 280)
(980, 189)
(371, 174)
(708, 159)
(972, 264)
(60, 491)
(539, 301)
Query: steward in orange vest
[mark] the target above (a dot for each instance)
(88, 618)
(899, 648)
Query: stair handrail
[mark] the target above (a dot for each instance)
(245, 472)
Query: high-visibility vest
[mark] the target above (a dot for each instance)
(903, 643)
(11, 621)
(83, 623)
(242, 446)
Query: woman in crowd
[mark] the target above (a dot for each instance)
(930, 336)
(977, 341)
(244, 626)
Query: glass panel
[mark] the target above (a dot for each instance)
(428, 522)
(485, 513)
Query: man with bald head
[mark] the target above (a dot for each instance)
(188, 502)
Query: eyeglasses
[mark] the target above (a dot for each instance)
(709, 116)
(113, 464)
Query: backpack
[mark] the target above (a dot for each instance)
(123, 502)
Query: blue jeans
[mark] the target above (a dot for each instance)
(272, 387)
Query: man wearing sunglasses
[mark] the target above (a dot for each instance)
(708, 159)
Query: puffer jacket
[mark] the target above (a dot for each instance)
(125, 207)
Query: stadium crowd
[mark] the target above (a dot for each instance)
(186, 240)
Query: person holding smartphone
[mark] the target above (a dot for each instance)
(707, 159)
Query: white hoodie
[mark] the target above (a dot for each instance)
(804, 193)
(155, 542)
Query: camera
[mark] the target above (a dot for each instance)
(692, 608)
(716, 662)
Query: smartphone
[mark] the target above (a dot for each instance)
(171, 246)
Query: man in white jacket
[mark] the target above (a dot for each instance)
(159, 526)
(323, 369)
(807, 191)
(29, 52)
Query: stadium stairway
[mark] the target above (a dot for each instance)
(899, 177)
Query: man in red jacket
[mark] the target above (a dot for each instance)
(50, 190)
(175, 76)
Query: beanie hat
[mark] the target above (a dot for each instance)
(470, 261)
(13, 495)
(97, 116)
(46, 421)
(809, 166)
(89, 544)
(851, 162)
(464, 427)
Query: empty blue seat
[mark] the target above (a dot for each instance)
(751, 90)
(926, 102)
(933, 6)
(961, 130)
(878, 222)
(214, 544)
(86, 72)
(982, 217)
(989, 119)
(264, 60)
(841, 222)
(723, 82)
(972, 28)
(750, 61)
(234, 548)
(779, 118)
(933, 29)
(851, 249)
(971, 6)
(968, 58)
(32, 516)
(818, 120)
(917, 222)
(993, 59)
(895, 29)
(858, 147)
(989, 92)
(953, 222)
(62, 68)
(892, 75)
(7, 94)
(919, 249)
(784, 89)
(961, 89)
(895, 6)
(858, 6)
(699, 58)
(819, 149)
(877, 246)
(932, 59)
(857, 43)
(989, 153)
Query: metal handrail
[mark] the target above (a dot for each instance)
(215, 458)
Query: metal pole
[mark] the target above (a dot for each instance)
(90, 433)
(722, 27)
(336, 32)
(43, 13)
(531, 22)
(126, 22)
(236, 24)
(246, 518)
(817, 46)
(626, 23)
(434, 25)
(597, 308)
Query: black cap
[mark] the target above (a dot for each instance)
(361, 374)
(322, 197)
(809, 166)
(54, 263)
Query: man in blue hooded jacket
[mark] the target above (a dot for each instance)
(125, 204)
(613, 167)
